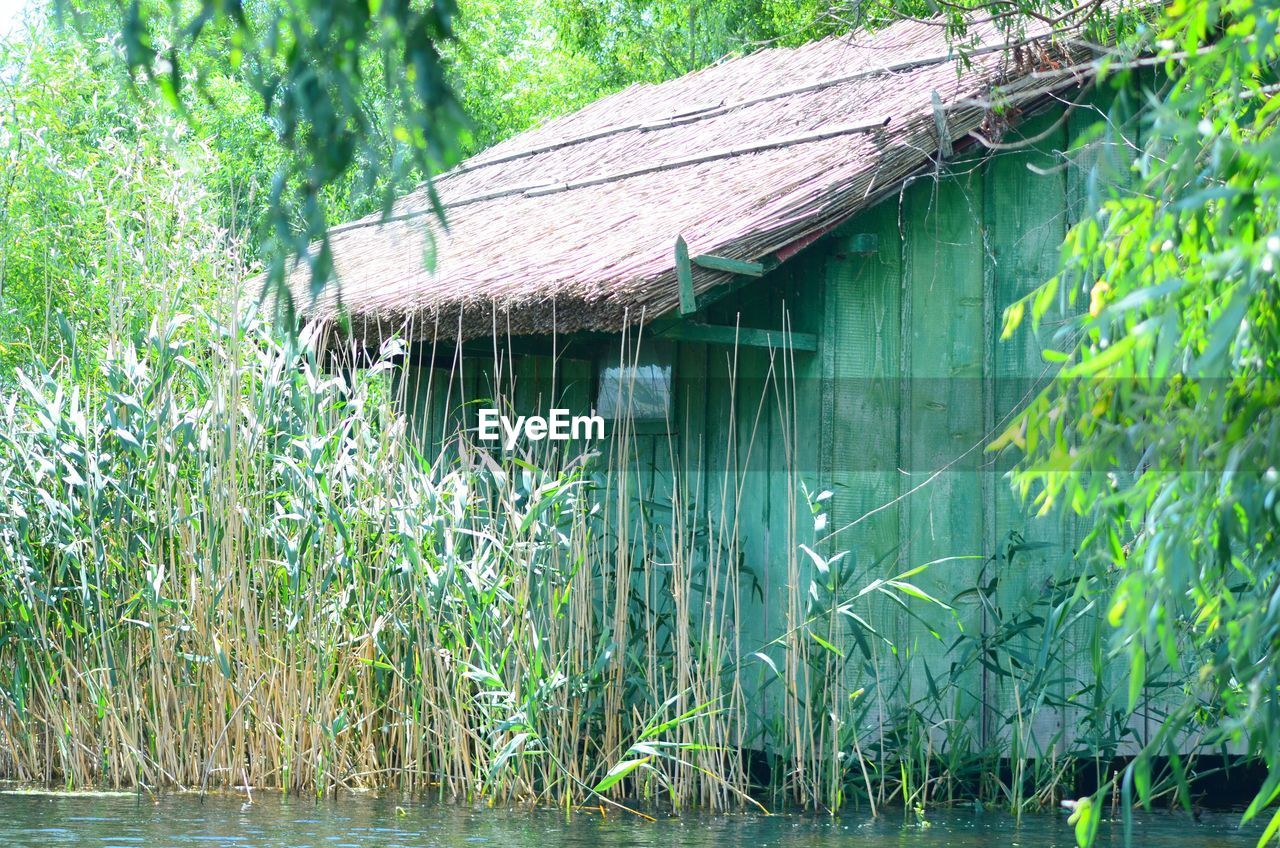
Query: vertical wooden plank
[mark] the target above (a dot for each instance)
(482, 382)
(755, 423)
(529, 391)
(573, 384)
(862, 348)
(690, 403)
(806, 375)
(685, 447)
(943, 323)
(571, 389)
(1025, 221)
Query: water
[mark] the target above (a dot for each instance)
(182, 821)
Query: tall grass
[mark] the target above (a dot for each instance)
(222, 564)
(225, 565)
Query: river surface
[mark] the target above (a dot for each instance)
(104, 820)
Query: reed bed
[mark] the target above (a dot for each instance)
(224, 565)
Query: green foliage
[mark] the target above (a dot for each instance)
(348, 87)
(222, 509)
(653, 40)
(102, 199)
(511, 68)
(106, 190)
(1163, 426)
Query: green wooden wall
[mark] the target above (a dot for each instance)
(892, 415)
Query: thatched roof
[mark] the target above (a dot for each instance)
(572, 226)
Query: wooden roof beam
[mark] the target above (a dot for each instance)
(729, 266)
(719, 334)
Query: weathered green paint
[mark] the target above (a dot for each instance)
(721, 334)
(729, 266)
(858, 243)
(1026, 221)
(894, 383)
(941, 434)
(684, 274)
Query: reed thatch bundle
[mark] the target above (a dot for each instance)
(571, 226)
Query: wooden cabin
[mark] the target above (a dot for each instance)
(781, 281)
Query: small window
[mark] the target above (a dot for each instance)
(636, 387)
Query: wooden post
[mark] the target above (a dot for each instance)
(684, 273)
